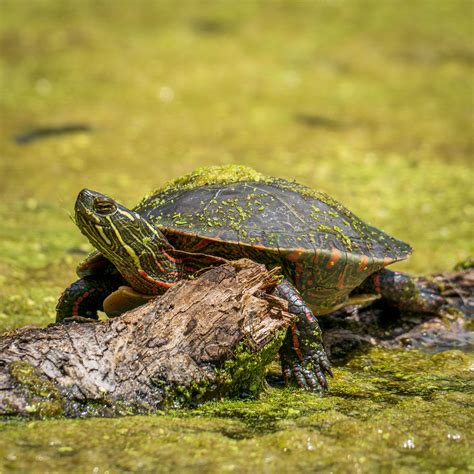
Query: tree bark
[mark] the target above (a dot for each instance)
(202, 339)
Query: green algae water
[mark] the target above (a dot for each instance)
(387, 411)
(364, 100)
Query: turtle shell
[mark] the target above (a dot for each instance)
(236, 212)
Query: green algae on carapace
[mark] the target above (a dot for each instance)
(235, 201)
(231, 212)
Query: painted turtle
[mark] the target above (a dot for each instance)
(325, 252)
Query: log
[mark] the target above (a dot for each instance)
(203, 339)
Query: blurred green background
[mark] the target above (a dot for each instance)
(370, 101)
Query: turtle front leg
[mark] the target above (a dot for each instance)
(84, 297)
(405, 292)
(302, 355)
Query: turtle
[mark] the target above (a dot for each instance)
(326, 254)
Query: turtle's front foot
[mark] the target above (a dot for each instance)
(84, 297)
(302, 355)
(303, 365)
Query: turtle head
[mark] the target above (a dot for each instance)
(138, 249)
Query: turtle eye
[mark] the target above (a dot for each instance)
(104, 205)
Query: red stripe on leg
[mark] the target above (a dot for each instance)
(296, 341)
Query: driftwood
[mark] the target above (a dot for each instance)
(204, 338)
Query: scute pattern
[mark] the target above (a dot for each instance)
(276, 215)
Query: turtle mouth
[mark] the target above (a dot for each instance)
(85, 218)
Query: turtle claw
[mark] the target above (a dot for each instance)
(309, 373)
(300, 376)
(302, 354)
(320, 365)
(314, 383)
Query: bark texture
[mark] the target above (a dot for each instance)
(204, 338)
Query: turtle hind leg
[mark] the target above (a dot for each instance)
(405, 292)
(302, 355)
(83, 298)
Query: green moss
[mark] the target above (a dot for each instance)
(243, 374)
(209, 175)
(44, 396)
(465, 264)
(366, 422)
(246, 370)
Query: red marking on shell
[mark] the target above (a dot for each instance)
(85, 295)
(363, 263)
(315, 258)
(294, 256)
(335, 256)
(200, 245)
(342, 278)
